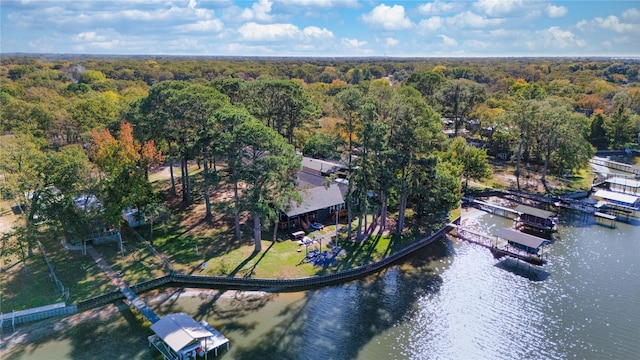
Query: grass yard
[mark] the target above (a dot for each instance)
(34, 282)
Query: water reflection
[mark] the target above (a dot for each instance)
(525, 270)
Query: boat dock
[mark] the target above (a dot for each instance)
(493, 208)
(616, 165)
(605, 219)
(194, 338)
(507, 242)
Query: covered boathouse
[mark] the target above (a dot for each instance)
(536, 218)
(623, 206)
(624, 185)
(521, 246)
(179, 337)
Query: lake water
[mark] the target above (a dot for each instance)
(452, 300)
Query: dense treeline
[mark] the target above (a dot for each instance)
(98, 125)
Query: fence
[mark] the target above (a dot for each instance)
(64, 291)
(165, 263)
(9, 321)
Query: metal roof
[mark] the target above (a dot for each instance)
(317, 198)
(179, 330)
(616, 196)
(624, 181)
(521, 238)
(534, 211)
(321, 165)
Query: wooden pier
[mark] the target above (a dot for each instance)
(494, 208)
(507, 244)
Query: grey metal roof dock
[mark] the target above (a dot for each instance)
(521, 238)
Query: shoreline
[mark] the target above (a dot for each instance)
(30, 333)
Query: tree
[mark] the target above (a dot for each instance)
(270, 165)
(283, 105)
(523, 113)
(124, 184)
(427, 82)
(598, 134)
(349, 103)
(473, 160)
(156, 121)
(436, 186)
(321, 145)
(416, 132)
(457, 98)
(182, 113)
(39, 178)
(622, 128)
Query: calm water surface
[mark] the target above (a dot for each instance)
(452, 300)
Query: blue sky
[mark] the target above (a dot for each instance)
(322, 27)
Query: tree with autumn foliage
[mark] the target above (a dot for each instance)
(124, 164)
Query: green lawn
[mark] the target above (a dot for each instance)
(23, 289)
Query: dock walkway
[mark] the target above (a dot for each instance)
(118, 281)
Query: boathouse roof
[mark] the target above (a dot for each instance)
(544, 214)
(617, 197)
(624, 182)
(179, 330)
(521, 238)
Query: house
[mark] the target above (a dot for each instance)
(318, 203)
(321, 195)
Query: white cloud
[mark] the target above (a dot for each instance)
(389, 41)
(495, 8)
(269, 32)
(214, 25)
(438, 7)
(431, 24)
(468, 19)
(556, 11)
(275, 32)
(448, 41)
(476, 44)
(631, 15)
(88, 37)
(260, 11)
(316, 32)
(388, 17)
(557, 38)
(611, 23)
(354, 43)
(321, 3)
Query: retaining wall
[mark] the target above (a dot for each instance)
(281, 285)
